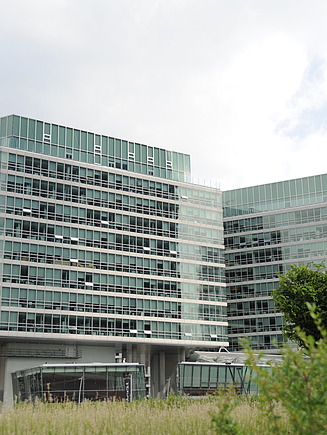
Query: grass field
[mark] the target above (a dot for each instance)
(173, 416)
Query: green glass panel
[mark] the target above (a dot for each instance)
(31, 129)
(137, 152)
(105, 146)
(15, 126)
(84, 141)
(90, 142)
(39, 131)
(54, 134)
(3, 126)
(23, 127)
(144, 155)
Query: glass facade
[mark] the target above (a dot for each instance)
(199, 379)
(268, 228)
(103, 237)
(49, 139)
(78, 382)
(104, 241)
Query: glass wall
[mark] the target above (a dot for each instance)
(275, 196)
(97, 243)
(79, 145)
(77, 382)
(199, 379)
(267, 229)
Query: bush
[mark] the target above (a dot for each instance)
(298, 384)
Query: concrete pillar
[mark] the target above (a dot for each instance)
(155, 385)
(2, 377)
(129, 353)
(162, 372)
(141, 354)
(119, 354)
(134, 354)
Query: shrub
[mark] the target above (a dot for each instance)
(298, 383)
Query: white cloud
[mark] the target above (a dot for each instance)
(239, 85)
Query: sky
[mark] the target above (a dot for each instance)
(240, 85)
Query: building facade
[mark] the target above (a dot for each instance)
(267, 229)
(108, 253)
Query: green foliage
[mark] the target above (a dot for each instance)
(222, 422)
(301, 285)
(296, 387)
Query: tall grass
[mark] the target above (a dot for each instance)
(177, 415)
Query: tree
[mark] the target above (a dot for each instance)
(299, 286)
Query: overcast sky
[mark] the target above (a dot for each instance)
(241, 85)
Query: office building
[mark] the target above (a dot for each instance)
(267, 229)
(113, 260)
(109, 254)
